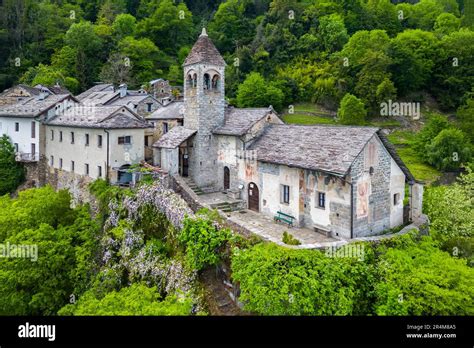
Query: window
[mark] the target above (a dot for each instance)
(51, 161)
(16, 147)
(72, 137)
(320, 200)
(87, 139)
(86, 169)
(99, 171)
(165, 127)
(146, 140)
(52, 134)
(60, 163)
(127, 140)
(33, 150)
(285, 194)
(180, 122)
(148, 106)
(72, 166)
(396, 198)
(17, 127)
(99, 140)
(60, 136)
(33, 129)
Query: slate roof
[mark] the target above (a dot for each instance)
(56, 89)
(393, 152)
(129, 100)
(174, 137)
(330, 149)
(173, 110)
(32, 106)
(239, 121)
(204, 51)
(109, 117)
(101, 87)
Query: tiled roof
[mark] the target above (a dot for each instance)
(239, 121)
(173, 110)
(174, 137)
(326, 148)
(32, 107)
(98, 117)
(204, 51)
(97, 88)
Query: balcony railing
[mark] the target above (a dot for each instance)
(27, 157)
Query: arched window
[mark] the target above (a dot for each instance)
(195, 79)
(207, 81)
(215, 81)
(189, 81)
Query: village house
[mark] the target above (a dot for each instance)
(21, 92)
(95, 142)
(138, 101)
(343, 181)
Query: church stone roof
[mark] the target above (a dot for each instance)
(239, 121)
(174, 137)
(331, 149)
(204, 51)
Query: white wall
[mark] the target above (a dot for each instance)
(23, 136)
(397, 185)
(93, 154)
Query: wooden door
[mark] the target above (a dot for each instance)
(254, 198)
(226, 178)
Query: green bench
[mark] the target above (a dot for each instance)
(282, 217)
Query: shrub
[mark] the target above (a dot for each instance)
(420, 279)
(12, 173)
(289, 239)
(449, 150)
(279, 281)
(137, 299)
(351, 111)
(203, 241)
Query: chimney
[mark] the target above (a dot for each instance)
(123, 90)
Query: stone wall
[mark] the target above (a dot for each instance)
(371, 173)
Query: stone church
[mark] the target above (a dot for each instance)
(343, 181)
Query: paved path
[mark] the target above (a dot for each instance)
(265, 227)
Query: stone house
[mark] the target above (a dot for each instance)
(21, 92)
(139, 101)
(343, 181)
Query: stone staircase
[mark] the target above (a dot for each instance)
(192, 185)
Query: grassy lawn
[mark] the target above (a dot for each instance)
(403, 141)
(307, 119)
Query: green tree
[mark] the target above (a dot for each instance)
(231, 25)
(83, 38)
(137, 299)
(124, 25)
(465, 116)
(413, 53)
(170, 26)
(352, 110)
(203, 241)
(446, 23)
(449, 150)
(256, 92)
(278, 281)
(420, 279)
(332, 32)
(432, 128)
(454, 72)
(11, 172)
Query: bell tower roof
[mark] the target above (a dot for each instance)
(204, 51)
